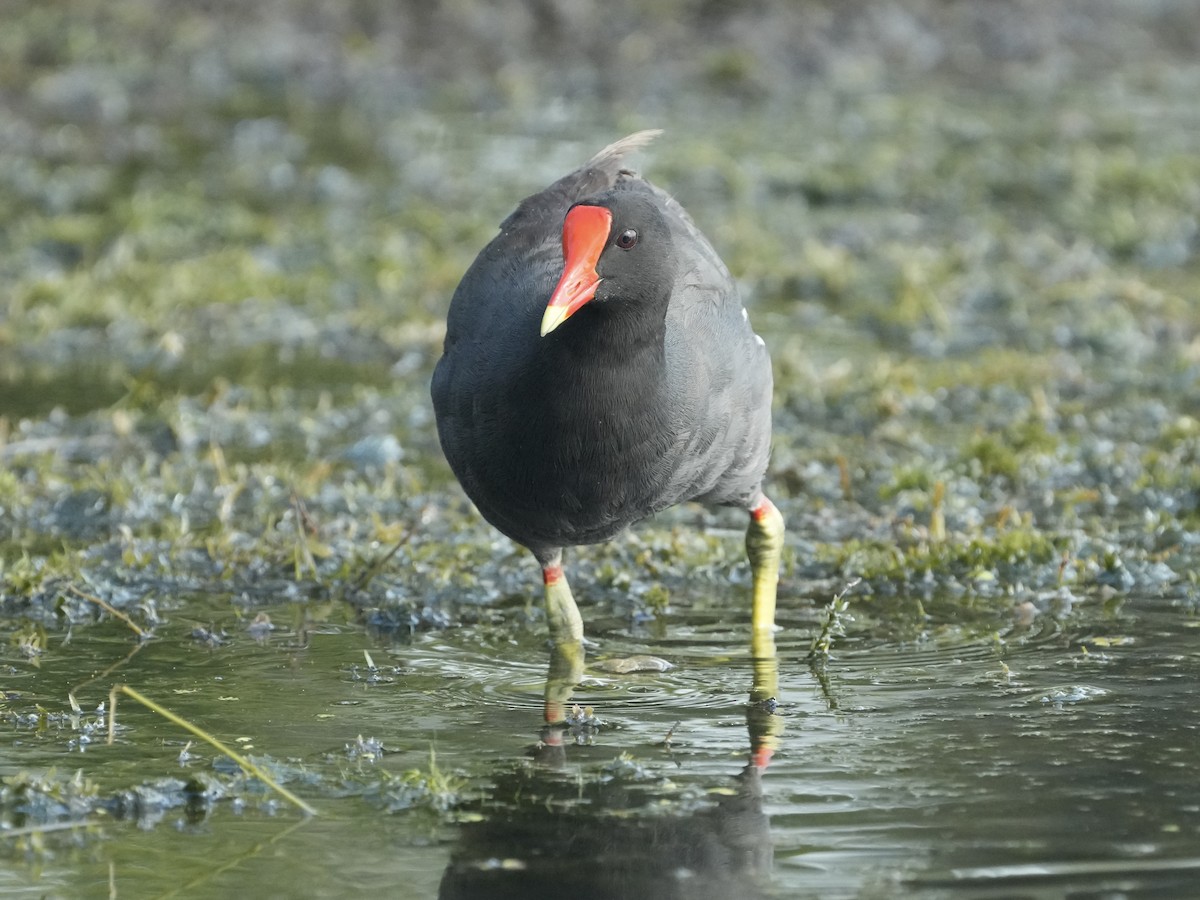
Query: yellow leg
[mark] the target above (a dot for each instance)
(764, 547)
(764, 725)
(564, 673)
(562, 615)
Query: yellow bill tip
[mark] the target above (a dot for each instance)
(553, 317)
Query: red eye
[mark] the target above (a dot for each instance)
(627, 239)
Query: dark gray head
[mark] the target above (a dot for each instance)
(617, 249)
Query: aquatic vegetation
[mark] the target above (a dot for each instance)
(837, 616)
(51, 798)
(429, 788)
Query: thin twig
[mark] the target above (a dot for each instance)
(44, 829)
(305, 527)
(378, 565)
(247, 766)
(210, 874)
(108, 608)
(137, 648)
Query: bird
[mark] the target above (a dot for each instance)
(599, 367)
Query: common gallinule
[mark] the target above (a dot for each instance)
(600, 367)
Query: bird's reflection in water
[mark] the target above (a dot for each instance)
(545, 833)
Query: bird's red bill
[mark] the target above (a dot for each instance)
(585, 234)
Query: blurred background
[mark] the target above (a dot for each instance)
(159, 159)
(239, 225)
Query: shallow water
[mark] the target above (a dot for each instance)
(1049, 758)
(223, 303)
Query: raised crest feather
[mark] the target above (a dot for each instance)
(617, 150)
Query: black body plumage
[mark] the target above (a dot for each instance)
(654, 393)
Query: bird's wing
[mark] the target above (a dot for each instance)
(720, 372)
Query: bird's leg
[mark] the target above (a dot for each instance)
(562, 676)
(764, 547)
(764, 724)
(562, 615)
